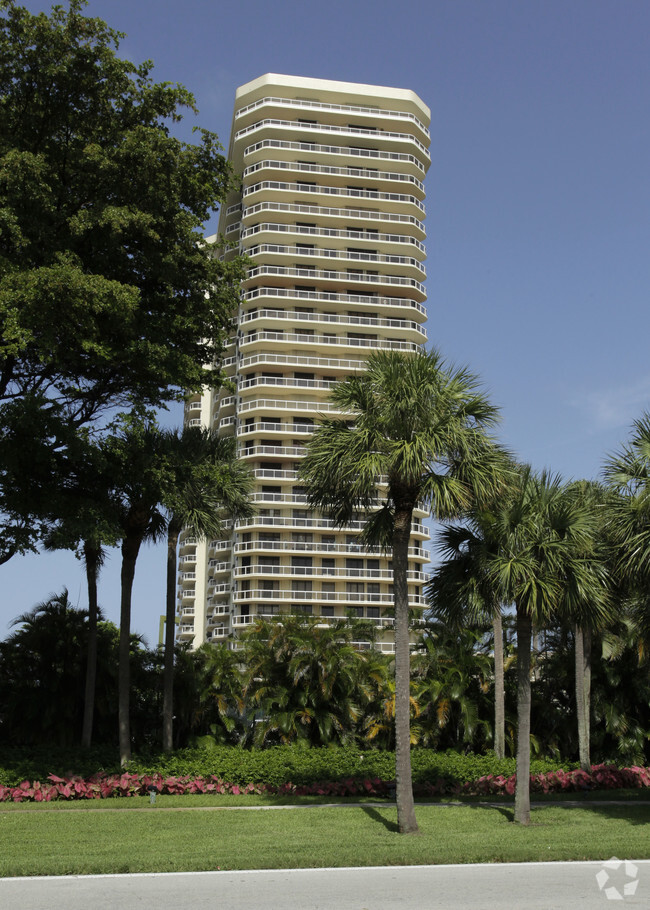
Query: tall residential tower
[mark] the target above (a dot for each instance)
(331, 214)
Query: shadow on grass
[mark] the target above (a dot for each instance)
(378, 817)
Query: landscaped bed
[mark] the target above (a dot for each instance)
(105, 786)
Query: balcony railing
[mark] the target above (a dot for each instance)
(340, 150)
(303, 104)
(311, 128)
(319, 572)
(359, 236)
(319, 547)
(323, 253)
(324, 211)
(288, 522)
(334, 297)
(300, 362)
(346, 172)
(352, 192)
(332, 319)
(322, 340)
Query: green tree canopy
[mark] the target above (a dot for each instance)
(109, 297)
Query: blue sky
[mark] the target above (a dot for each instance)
(538, 200)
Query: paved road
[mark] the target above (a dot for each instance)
(517, 886)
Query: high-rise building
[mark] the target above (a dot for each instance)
(331, 213)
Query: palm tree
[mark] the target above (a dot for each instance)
(421, 426)
(538, 556)
(208, 484)
(302, 679)
(84, 521)
(461, 593)
(628, 475)
(451, 680)
(138, 458)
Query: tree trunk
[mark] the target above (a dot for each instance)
(170, 635)
(130, 549)
(522, 791)
(583, 693)
(93, 559)
(406, 820)
(499, 688)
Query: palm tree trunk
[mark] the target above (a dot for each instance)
(522, 791)
(583, 693)
(499, 687)
(170, 630)
(130, 549)
(93, 559)
(406, 820)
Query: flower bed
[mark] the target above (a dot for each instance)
(601, 777)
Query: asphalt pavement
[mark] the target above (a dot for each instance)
(506, 886)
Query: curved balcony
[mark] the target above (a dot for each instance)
(270, 404)
(375, 344)
(338, 175)
(415, 600)
(344, 549)
(339, 237)
(399, 325)
(319, 573)
(330, 298)
(298, 362)
(293, 211)
(327, 524)
(339, 154)
(344, 110)
(268, 253)
(380, 138)
(345, 192)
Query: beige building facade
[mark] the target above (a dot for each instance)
(331, 213)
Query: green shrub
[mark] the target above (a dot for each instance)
(276, 766)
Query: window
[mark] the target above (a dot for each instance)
(372, 612)
(299, 584)
(301, 561)
(304, 609)
(328, 566)
(355, 587)
(326, 610)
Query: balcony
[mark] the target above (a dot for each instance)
(294, 546)
(295, 338)
(294, 210)
(343, 173)
(399, 325)
(290, 522)
(341, 154)
(337, 298)
(379, 137)
(375, 113)
(336, 597)
(358, 236)
(395, 199)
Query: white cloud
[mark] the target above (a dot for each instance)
(616, 406)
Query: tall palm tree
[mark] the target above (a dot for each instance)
(538, 556)
(208, 484)
(628, 474)
(422, 426)
(138, 458)
(462, 594)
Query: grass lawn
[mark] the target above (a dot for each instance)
(130, 836)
